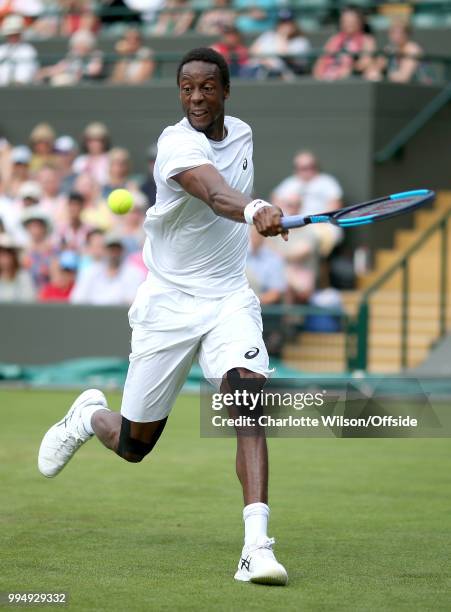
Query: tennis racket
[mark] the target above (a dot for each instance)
(367, 212)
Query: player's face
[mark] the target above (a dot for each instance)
(202, 96)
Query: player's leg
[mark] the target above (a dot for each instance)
(252, 451)
(131, 441)
(234, 356)
(162, 354)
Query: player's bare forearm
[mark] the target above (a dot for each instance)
(208, 185)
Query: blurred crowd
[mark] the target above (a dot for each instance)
(281, 49)
(59, 241)
(58, 238)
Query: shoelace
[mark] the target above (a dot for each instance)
(267, 544)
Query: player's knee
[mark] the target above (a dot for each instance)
(238, 379)
(130, 457)
(134, 450)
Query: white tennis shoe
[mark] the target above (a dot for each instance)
(258, 564)
(65, 437)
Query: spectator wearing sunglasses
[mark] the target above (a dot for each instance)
(319, 192)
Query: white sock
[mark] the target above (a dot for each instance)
(255, 518)
(86, 416)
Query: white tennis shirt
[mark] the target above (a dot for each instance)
(188, 246)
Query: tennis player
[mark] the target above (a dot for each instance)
(196, 301)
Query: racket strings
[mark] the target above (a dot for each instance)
(378, 208)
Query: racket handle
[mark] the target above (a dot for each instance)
(293, 221)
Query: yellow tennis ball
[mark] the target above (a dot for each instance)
(120, 201)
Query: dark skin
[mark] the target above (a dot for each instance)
(203, 96)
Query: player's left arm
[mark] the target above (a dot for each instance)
(207, 184)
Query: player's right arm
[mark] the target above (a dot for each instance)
(207, 184)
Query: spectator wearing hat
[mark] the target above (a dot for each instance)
(18, 59)
(118, 172)
(148, 187)
(213, 21)
(73, 233)
(42, 140)
(15, 282)
(82, 63)
(94, 160)
(112, 281)
(285, 47)
(136, 63)
(63, 272)
(39, 252)
(17, 171)
(29, 195)
(234, 51)
(66, 150)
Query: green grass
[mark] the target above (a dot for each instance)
(360, 524)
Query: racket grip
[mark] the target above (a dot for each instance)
(293, 221)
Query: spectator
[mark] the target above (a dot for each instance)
(66, 151)
(130, 226)
(266, 274)
(146, 9)
(148, 187)
(112, 281)
(39, 251)
(136, 64)
(176, 18)
(96, 212)
(120, 12)
(42, 140)
(73, 234)
(94, 250)
(265, 270)
(94, 161)
(29, 195)
(62, 278)
(18, 59)
(349, 52)
(15, 283)
(78, 15)
(18, 171)
(401, 61)
(285, 44)
(52, 201)
(255, 15)
(319, 192)
(83, 62)
(118, 172)
(213, 21)
(300, 254)
(233, 50)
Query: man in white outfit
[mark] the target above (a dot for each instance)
(196, 301)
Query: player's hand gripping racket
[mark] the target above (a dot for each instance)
(367, 212)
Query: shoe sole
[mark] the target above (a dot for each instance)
(273, 580)
(270, 579)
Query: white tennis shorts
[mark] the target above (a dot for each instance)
(171, 328)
